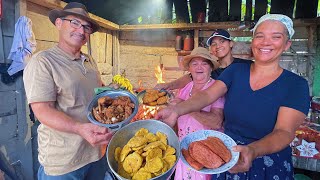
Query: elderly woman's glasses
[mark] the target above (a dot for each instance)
(76, 24)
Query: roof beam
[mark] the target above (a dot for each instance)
(57, 4)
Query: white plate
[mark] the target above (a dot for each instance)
(203, 134)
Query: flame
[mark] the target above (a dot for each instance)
(149, 112)
(158, 73)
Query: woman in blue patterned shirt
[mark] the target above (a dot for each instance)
(264, 105)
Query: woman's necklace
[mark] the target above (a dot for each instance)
(190, 92)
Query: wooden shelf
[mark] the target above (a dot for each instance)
(183, 53)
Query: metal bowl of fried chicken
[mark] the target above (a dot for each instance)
(113, 109)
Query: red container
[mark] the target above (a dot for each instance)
(179, 43)
(188, 43)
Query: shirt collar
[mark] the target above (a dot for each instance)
(69, 56)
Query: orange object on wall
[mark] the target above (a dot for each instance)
(188, 43)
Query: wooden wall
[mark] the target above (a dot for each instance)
(47, 36)
(15, 138)
(141, 51)
(17, 132)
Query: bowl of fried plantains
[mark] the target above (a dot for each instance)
(147, 149)
(113, 109)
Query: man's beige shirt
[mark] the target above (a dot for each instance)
(54, 75)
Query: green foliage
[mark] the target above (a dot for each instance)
(140, 19)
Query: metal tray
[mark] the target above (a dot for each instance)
(113, 94)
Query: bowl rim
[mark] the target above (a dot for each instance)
(143, 121)
(117, 125)
(214, 133)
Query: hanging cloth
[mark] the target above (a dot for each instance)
(23, 46)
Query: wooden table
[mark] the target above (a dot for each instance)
(306, 163)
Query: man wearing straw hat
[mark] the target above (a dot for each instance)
(59, 85)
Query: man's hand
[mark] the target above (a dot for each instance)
(94, 134)
(168, 116)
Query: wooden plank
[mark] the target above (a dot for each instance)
(8, 101)
(1, 45)
(301, 32)
(98, 46)
(306, 163)
(260, 9)
(8, 20)
(235, 10)
(20, 9)
(218, 10)
(205, 26)
(181, 10)
(306, 9)
(109, 47)
(115, 53)
(312, 39)
(282, 7)
(181, 26)
(148, 36)
(42, 27)
(207, 33)
(196, 38)
(7, 43)
(55, 5)
(8, 128)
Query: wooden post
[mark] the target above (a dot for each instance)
(306, 9)
(115, 53)
(316, 72)
(235, 10)
(196, 38)
(260, 9)
(283, 7)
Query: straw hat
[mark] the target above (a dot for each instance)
(200, 52)
(75, 9)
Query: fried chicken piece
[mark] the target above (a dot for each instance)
(163, 93)
(147, 98)
(162, 100)
(154, 103)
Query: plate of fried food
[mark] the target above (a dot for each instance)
(113, 109)
(143, 150)
(153, 97)
(208, 151)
